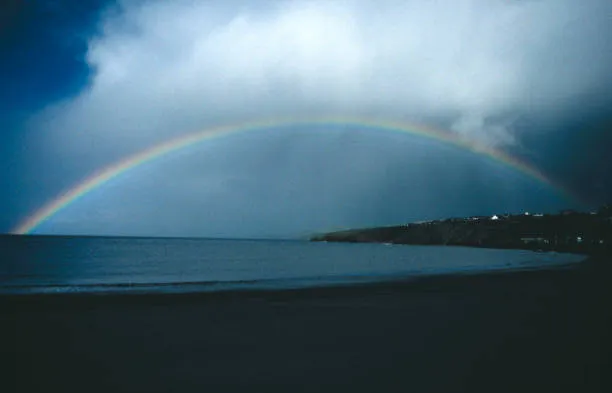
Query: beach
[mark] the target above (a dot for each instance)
(523, 331)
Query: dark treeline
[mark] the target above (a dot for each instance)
(567, 231)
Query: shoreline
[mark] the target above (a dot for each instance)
(275, 287)
(539, 262)
(566, 231)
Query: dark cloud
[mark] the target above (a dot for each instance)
(495, 72)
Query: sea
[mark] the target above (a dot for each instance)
(117, 265)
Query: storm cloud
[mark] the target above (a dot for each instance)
(159, 69)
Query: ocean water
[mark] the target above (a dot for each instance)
(39, 264)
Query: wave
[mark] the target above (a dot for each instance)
(187, 287)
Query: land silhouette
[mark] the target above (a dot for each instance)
(567, 231)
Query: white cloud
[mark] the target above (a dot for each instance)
(164, 67)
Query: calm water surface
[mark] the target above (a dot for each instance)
(35, 264)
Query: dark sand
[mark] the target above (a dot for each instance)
(536, 331)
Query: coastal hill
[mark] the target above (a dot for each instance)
(567, 231)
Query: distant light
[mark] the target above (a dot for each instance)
(526, 213)
(494, 218)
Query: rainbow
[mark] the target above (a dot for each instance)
(102, 176)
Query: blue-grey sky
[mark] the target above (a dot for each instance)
(87, 83)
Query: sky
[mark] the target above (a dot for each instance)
(87, 84)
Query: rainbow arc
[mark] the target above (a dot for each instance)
(101, 177)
